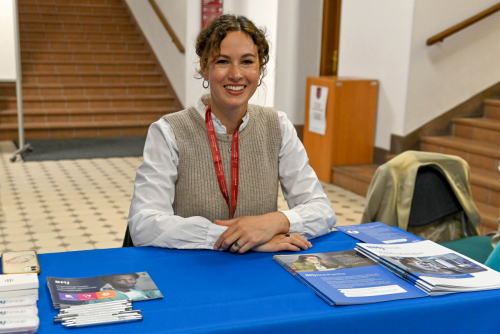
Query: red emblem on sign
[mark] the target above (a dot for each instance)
(318, 92)
(210, 9)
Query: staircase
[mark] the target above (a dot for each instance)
(477, 140)
(87, 72)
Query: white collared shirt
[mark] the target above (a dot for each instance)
(152, 221)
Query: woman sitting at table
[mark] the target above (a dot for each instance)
(211, 172)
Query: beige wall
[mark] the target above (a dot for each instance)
(385, 40)
(298, 53)
(445, 74)
(7, 45)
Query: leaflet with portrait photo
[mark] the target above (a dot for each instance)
(347, 278)
(91, 290)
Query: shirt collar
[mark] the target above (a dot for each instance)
(201, 107)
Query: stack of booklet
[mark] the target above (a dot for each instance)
(100, 289)
(18, 297)
(433, 268)
(347, 278)
(392, 265)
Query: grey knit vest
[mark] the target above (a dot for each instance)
(197, 191)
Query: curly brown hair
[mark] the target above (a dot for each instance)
(210, 38)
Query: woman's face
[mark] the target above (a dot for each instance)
(234, 74)
(312, 259)
(123, 281)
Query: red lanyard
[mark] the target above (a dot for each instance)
(219, 169)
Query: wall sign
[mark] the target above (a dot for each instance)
(317, 109)
(210, 9)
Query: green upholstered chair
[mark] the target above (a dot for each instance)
(493, 260)
(477, 248)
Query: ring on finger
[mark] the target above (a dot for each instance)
(288, 235)
(237, 244)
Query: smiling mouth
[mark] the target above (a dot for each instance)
(234, 88)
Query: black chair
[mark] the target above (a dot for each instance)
(433, 199)
(127, 240)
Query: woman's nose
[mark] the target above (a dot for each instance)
(235, 72)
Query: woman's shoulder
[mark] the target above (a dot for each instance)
(177, 114)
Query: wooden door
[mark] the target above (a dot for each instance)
(330, 37)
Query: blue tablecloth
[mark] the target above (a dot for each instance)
(220, 292)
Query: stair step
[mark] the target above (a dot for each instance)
(60, 55)
(37, 25)
(65, 66)
(97, 101)
(74, 17)
(92, 77)
(93, 89)
(66, 130)
(354, 178)
(481, 129)
(492, 109)
(151, 114)
(82, 45)
(485, 186)
(477, 154)
(61, 36)
(64, 8)
(94, 111)
(489, 217)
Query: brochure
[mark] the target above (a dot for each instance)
(433, 268)
(378, 233)
(347, 278)
(90, 290)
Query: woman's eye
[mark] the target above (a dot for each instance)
(221, 61)
(247, 62)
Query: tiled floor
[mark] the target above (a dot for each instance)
(67, 205)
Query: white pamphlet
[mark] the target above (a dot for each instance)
(317, 109)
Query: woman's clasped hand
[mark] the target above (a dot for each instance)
(265, 233)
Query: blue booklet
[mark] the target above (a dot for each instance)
(378, 233)
(347, 278)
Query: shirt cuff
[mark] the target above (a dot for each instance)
(213, 233)
(296, 225)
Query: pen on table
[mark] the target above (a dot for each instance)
(73, 315)
(94, 318)
(91, 306)
(94, 323)
(101, 318)
(107, 309)
(65, 307)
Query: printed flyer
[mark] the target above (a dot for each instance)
(347, 278)
(90, 290)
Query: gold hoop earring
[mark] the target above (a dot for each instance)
(203, 84)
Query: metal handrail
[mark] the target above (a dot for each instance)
(167, 26)
(462, 25)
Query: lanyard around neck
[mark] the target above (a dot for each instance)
(219, 169)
